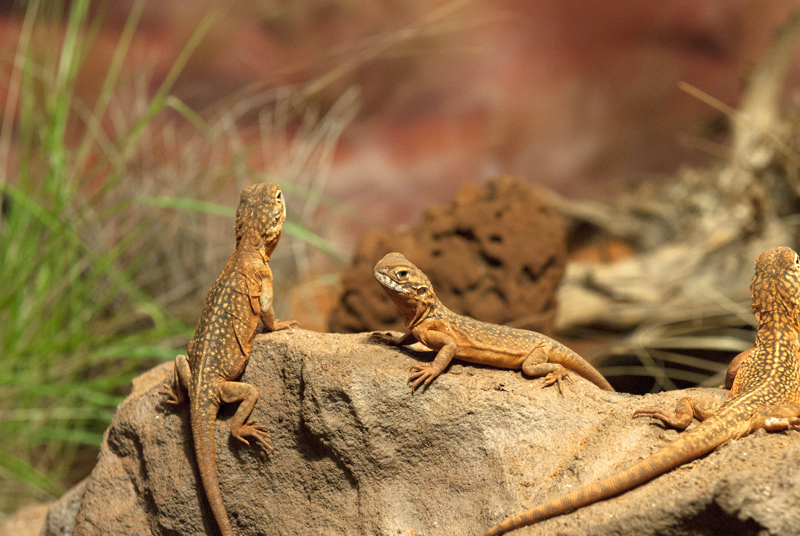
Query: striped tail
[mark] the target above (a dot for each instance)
(204, 418)
(691, 445)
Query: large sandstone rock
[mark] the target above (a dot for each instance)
(357, 454)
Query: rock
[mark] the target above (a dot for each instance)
(61, 514)
(356, 453)
(495, 254)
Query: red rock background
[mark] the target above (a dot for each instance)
(578, 96)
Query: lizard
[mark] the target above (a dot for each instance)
(219, 351)
(465, 338)
(765, 393)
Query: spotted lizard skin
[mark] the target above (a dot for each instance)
(465, 338)
(765, 393)
(220, 349)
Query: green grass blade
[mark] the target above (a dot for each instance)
(24, 472)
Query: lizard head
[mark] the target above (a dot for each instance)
(406, 285)
(775, 287)
(260, 216)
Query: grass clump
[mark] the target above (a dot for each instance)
(74, 323)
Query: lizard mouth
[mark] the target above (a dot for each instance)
(390, 283)
(276, 223)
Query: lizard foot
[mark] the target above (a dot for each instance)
(667, 417)
(777, 424)
(285, 325)
(556, 377)
(256, 432)
(174, 395)
(383, 338)
(422, 375)
(278, 325)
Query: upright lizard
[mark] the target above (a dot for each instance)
(439, 328)
(765, 393)
(220, 348)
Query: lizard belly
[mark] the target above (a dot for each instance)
(510, 358)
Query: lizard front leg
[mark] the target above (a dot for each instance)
(536, 365)
(273, 324)
(175, 390)
(267, 313)
(246, 395)
(686, 409)
(733, 367)
(425, 374)
(391, 340)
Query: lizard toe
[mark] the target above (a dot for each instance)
(172, 397)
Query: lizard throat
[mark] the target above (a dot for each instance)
(414, 309)
(390, 283)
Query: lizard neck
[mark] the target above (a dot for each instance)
(416, 311)
(256, 250)
(778, 329)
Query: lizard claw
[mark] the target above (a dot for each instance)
(656, 413)
(256, 432)
(556, 377)
(383, 338)
(279, 325)
(670, 418)
(422, 375)
(778, 424)
(174, 396)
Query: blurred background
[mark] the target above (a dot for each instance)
(128, 129)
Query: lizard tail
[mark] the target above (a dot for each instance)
(586, 370)
(204, 419)
(689, 446)
(592, 374)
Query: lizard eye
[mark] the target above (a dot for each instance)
(797, 260)
(279, 196)
(401, 273)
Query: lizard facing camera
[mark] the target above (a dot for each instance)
(465, 338)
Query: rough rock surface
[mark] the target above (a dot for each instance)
(495, 254)
(60, 517)
(356, 454)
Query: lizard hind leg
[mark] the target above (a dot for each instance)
(536, 366)
(686, 409)
(241, 427)
(175, 390)
(778, 418)
(552, 372)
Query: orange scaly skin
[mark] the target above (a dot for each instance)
(439, 328)
(765, 393)
(220, 349)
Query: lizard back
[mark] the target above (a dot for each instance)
(220, 348)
